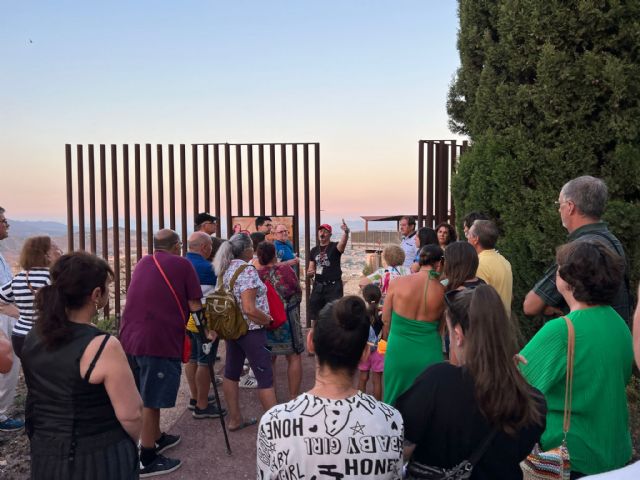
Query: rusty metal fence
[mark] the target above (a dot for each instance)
(146, 188)
(437, 162)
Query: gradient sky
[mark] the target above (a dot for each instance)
(366, 79)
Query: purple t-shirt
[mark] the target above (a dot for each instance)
(152, 324)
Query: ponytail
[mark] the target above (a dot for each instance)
(229, 250)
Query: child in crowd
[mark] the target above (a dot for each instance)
(375, 362)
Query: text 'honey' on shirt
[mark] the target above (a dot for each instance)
(313, 437)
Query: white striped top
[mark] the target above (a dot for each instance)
(21, 291)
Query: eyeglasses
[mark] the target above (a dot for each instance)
(558, 203)
(282, 231)
(5, 221)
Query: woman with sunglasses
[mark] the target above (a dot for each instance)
(480, 406)
(411, 315)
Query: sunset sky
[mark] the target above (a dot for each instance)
(366, 79)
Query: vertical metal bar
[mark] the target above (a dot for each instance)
(272, 177)
(67, 151)
(441, 174)
(317, 187)
(216, 187)
(183, 196)
(172, 189)
(296, 212)
(250, 179)
(81, 232)
(138, 197)
(92, 202)
(205, 161)
(103, 211)
(127, 216)
(116, 232)
(227, 186)
(160, 187)
(454, 152)
(283, 174)
(103, 203)
(430, 217)
(261, 174)
(149, 177)
(194, 176)
(307, 225)
(420, 182)
(239, 179)
(438, 174)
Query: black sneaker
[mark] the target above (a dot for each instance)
(166, 441)
(210, 412)
(159, 466)
(211, 399)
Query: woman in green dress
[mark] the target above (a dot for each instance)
(588, 277)
(412, 316)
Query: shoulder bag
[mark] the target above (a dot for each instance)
(222, 310)
(555, 464)
(462, 471)
(186, 342)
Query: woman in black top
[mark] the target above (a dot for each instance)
(451, 410)
(83, 411)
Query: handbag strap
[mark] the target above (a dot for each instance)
(175, 296)
(568, 394)
(482, 448)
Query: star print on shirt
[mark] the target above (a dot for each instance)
(274, 415)
(358, 428)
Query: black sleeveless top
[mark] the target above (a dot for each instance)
(60, 402)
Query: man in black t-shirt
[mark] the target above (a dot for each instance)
(324, 268)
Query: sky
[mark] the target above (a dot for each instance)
(366, 79)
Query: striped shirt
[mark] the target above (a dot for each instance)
(21, 291)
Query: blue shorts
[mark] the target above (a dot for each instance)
(157, 379)
(197, 355)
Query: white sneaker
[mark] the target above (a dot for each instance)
(248, 381)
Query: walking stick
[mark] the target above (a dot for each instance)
(209, 348)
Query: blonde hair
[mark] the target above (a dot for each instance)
(393, 255)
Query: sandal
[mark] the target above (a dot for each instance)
(245, 423)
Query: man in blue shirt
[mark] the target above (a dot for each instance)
(284, 247)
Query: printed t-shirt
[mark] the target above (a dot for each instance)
(17, 291)
(494, 269)
(284, 250)
(152, 324)
(327, 260)
(247, 280)
(313, 437)
(408, 244)
(443, 420)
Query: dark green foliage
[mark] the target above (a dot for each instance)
(547, 91)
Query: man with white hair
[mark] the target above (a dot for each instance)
(581, 204)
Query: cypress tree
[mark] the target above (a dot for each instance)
(547, 91)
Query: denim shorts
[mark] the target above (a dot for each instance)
(197, 355)
(157, 379)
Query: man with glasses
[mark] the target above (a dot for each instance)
(164, 289)
(264, 225)
(8, 316)
(581, 204)
(284, 247)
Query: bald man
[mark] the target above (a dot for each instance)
(152, 334)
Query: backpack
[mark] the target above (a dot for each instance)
(222, 310)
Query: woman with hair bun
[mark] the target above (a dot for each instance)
(479, 406)
(37, 255)
(412, 314)
(588, 277)
(329, 430)
(83, 411)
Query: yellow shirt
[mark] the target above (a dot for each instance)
(494, 269)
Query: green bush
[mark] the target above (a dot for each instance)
(547, 91)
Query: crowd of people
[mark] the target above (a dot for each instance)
(453, 392)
